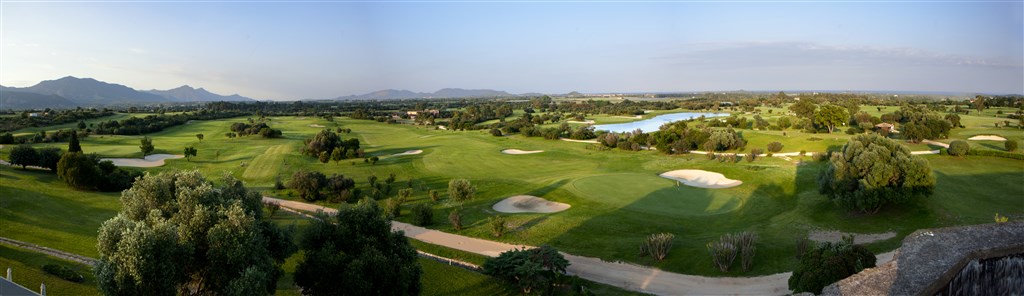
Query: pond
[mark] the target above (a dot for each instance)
(652, 124)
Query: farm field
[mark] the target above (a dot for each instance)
(617, 197)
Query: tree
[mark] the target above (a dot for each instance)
(774, 147)
(953, 119)
(324, 157)
(337, 155)
(831, 115)
(355, 253)
(422, 215)
(339, 186)
(460, 190)
(190, 152)
(1010, 145)
(178, 234)
(374, 160)
(81, 126)
(958, 148)
(827, 263)
(23, 155)
(308, 184)
(200, 137)
(496, 132)
(48, 158)
(979, 103)
(804, 109)
(871, 172)
(73, 145)
(784, 122)
(530, 269)
(146, 145)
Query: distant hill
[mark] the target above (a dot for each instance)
(186, 93)
(90, 92)
(18, 100)
(396, 94)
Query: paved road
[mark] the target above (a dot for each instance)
(625, 275)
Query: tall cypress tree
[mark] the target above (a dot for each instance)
(73, 145)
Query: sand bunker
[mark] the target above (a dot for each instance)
(410, 152)
(987, 138)
(529, 204)
(517, 151)
(579, 141)
(577, 121)
(701, 178)
(152, 160)
(316, 125)
(858, 238)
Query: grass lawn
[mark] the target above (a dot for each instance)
(27, 270)
(617, 197)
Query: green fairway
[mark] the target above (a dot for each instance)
(617, 197)
(27, 271)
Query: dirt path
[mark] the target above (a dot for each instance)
(625, 275)
(48, 251)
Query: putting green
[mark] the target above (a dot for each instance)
(653, 194)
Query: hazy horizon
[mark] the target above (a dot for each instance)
(290, 51)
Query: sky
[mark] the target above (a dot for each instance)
(318, 50)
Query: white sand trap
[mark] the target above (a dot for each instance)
(701, 178)
(517, 151)
(987, 138)
(529, 204)
(316, 125)
(410, 152)
(858, 238)
(577, 121)
(152, 160)
(579, 141)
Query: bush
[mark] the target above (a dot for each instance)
(827, 263)
(803, 152)
(774, 147)
(456, 219)
(996, 153)
(530, 269)
(723, 252)
(657, 245)
(958, 148)
(818, 156)
(496, 132)
(745, 241)
(710, 155)
(393, 207)
(422, 215)
(498, 226)
(802, 243)
(272, 207)
(460, 190)
(434, 195)
(64, 272)
(750, 157)
(1011, 145)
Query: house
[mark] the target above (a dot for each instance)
(887, 127)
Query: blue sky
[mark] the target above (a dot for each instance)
(324, 50)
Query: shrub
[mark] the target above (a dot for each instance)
(64, 272)
(308, 184)
(745, 242)
(958, 148)
(393, 207)
(1001, 219)
(272, 207)
(403, 194)
(774, 147)
(498, 226)
(460, 190)
(818, 156)
(723, 252)
(456, 219)
(710, 155)
(422, 215)
(657, 245)
(496, 132)
(750, 157)
(278, 185)
(996, 153)
(803, 152)
(530, 269)
(434, 195)
(827, 263)
(1010, 145)
(802, 243)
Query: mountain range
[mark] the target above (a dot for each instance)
(395, 94)
(69, 92)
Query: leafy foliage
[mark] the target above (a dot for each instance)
(530, 269)
(774, 147)
(64, 272)
(958, 148)
(455, 218)
(871, 172)
(23, 155)
(86, 171)
(422, 215)
(1010, 145)
(178, 234)
(498, 225)
(460, 190)
(146, 145)
(308, 184)
(356, 253)
(827, 263)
